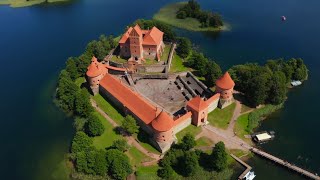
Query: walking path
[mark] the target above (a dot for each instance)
(132, 141)
(236, 114)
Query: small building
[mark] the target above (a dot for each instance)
(138, 44)
(262, 137)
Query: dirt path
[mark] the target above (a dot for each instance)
(131, 141)
(236, 114)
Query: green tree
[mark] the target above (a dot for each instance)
(213, 73)
(66, 91)
(79, 123)
(219, 156)
(94, 126)
(121, 145)
(81, 142)
(166, 172)
(215, 20)
(100, 166)
(184, 47)
(81, 162)
(71, 68)
(190, 163)
(130, 125)
(119, 166)
(83, 106)
(278, 89)
(188, 142)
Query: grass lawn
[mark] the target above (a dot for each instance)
(166, 52)
(204, 141)
(106, 139)
(241, 126)
(137, 157)
(177, 64)
(167, 15)
(144, 141)
(147, 173)
(108, 108)
(245, 108)
(221, 117)
(118, 59)
(23, 3)
(194, 130)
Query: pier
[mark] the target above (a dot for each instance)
(285, 163)
(248, 168)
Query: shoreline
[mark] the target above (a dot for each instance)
(21, 3)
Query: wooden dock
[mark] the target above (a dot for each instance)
(285, 163)
(248, 168)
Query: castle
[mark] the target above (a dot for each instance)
(161, 107)
(139, 44)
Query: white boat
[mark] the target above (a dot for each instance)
(249, 176)
(283, 18)
(296, 83)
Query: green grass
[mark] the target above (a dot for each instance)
(24, 3)
(221, 117)
(118, 59)
(137, 157)
(204, 141)
(245, 108)
(79, 81)
(194, 130)
(147, 173)
(241, 126)
(107, 138)
(167, 15)
(166, 52)
(144, 141)
(109, 109)
(177, 64)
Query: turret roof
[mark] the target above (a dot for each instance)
(197, 103)
(94, 68)
(163, 122)
(225, 81)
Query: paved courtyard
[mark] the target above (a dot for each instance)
(162, 92)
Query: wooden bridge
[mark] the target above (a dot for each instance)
(285, 164)
(248, 168)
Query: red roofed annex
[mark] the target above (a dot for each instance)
(139, 44)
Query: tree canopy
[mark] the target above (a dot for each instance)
(121, 145)
(219, 156)
(119, 166)
(81, 142)
(184, 47)
(187, 142)
(94, 126)
(130, 125)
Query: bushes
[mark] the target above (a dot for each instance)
(184, 47)
(94, 126)
(257, 115)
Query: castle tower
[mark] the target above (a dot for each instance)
(95, 73)
(163, 130)
(199, 109)
(135, 39)
(224, 86)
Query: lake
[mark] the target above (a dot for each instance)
(36, 41)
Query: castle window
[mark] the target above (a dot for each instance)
(149, 53)
(163, 136)
(149, 48)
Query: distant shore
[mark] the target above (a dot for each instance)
(25, 3)
(167, 14)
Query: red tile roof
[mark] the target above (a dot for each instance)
(197, 103)
(130, 99)
(136, 29)
(225, 82)
(213, 98)
(154, 37)
(163, 122)
(125, 36)
(94, 69)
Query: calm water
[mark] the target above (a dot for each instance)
(36, 41)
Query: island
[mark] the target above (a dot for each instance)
(24, 3)
(146, 104)
(190, 16)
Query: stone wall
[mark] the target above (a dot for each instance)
(212, 105)
(182, 122)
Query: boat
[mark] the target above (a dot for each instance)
(296, 83)
(283, 18)
(264, 136)
(249, 176)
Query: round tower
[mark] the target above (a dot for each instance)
(163, 130)
(224, 86)
(95, 73)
